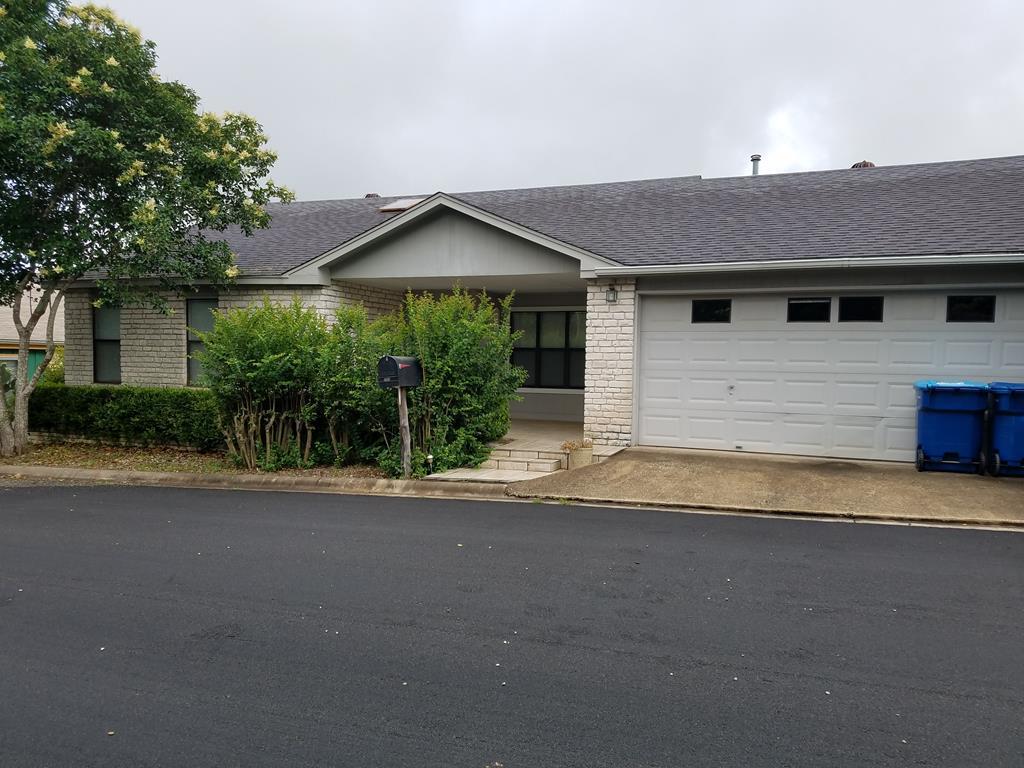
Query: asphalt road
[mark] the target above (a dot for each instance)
(160, 627)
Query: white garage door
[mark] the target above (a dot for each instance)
(765, 376)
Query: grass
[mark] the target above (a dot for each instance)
(155, 459)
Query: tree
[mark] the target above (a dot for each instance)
(109, 173)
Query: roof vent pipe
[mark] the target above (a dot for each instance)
(755, 161)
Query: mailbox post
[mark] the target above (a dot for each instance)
(401, 373)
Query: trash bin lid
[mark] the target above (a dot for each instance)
(975, 386)
(1005, 387)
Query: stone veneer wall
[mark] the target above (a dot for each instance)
(325, 299)
(378, 301)
(153, 345)
(78, 337)
(608, 398)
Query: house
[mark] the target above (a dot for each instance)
(37, 349)
(784, 313)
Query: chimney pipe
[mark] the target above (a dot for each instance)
(755, 160)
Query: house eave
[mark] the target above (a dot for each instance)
(991, 259)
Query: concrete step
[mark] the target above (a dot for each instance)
(523, 464)
(482, 475)
(520, 460)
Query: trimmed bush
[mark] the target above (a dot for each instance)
(262, 364)
(464, 342)
(292, 390)
(140, 415)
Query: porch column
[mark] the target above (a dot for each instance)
(608, 397)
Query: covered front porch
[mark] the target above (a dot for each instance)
(441, 243)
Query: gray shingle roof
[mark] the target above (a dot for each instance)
(973, 206)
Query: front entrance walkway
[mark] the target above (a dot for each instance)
(530, 450)
(794, 485)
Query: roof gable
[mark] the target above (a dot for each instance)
(403, 221)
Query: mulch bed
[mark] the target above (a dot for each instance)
(162, 460)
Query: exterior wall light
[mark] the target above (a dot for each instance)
(611, 295)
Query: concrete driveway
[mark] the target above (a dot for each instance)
(732, 481)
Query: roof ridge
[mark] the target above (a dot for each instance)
(874, 169)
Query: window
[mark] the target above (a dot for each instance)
(199, 318)
(970, 309)
(860, 309)
(809, 311)
(711, 311)
(551, 348)
(9, 360)
(106, 345)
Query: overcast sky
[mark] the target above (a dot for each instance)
(415, 96)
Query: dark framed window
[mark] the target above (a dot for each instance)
(9, 360)
(861, 309)
(809, 310)
(199, 318)
(711, 311)
(970, 309)
(551, 347)
(106, 345)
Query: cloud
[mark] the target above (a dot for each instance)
(409, 97)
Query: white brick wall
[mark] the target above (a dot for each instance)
(608, 398)
(378, 301)
(153, 344)
(78, 337)
(326, 300)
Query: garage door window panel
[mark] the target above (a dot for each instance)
(816, 310)
(861, 309)
(970, 309)
(711, 311)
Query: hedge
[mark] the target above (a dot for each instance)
(140, 415)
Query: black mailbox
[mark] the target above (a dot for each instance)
(393, 372)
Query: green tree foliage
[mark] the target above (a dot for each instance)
(286, 383)
(357, 414)
(464, 343)
(54, 373)
(262, 365)
(108, 171)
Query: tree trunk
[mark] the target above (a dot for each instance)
(14, 424)
(6, 436)
(20, 424)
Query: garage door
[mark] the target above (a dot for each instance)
(813, 375)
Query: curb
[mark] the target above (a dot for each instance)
(342, 485)
(448, 490)
(1017, 524)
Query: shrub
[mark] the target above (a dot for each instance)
(464, 343)
(54, 373)
(356, 412)
(261, 364)
(292, 391)
(145, 415)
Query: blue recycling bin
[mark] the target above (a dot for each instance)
(1007, 428)
(951, 425)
